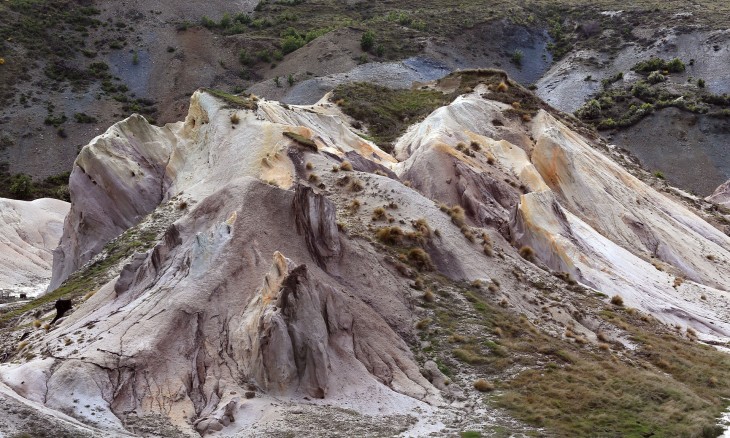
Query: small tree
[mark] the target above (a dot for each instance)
(701, 83)
(276, 81)
(290, 80)
(367, 41)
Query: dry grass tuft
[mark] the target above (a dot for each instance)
(527, 253)
(390, 235)
(616, 300)
(346, 166)
(421, 225)
(420, 259)
(379, 213)
(482, 385)
(422, 324)
(356, 185)
(457, 214)
(354, 206)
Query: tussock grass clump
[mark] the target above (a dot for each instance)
(617, 300)
(89, 294)
(379, 213)
(421, 225)
(429, 296)
(354, 206)
(301, 140)
(468, 233)
(346, 166)
(37, 323)
(527, 253)
(235, 120)
(502, 87)
(483, 385)
(487, 244)
(356, 185)
(424, 323)
(457, 214)
(420, 259)
(468, 355)
(390, 235)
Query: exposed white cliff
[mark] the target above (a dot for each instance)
(29, 232)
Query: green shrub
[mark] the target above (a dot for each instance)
(655, 77)
(367, 41)
(21, 186)
(517, 56)
(84, 118)
(590, 111)
(245, 59)
(207, 22)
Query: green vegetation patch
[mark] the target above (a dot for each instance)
(23, 187)
(233, 100)
(386, 112)
(625, 105)
(301, 140)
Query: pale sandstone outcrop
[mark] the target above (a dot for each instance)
(29, 232)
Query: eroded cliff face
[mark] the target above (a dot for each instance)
(288, 274)
(29, 232)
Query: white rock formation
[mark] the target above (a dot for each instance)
(583, 214)
(29, 232)
(270, 289)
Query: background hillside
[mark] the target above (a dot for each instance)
(71, 68)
